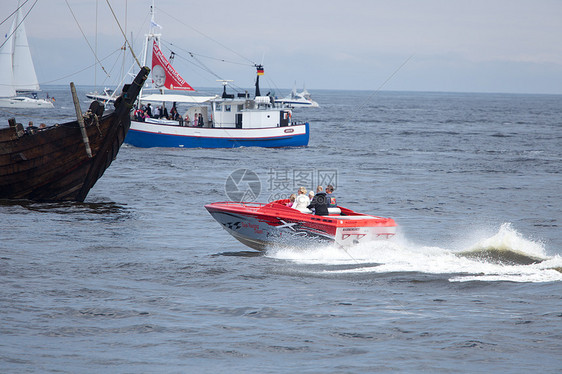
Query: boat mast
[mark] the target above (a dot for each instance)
(152, 34)
(259, 72)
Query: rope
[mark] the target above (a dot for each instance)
(193, 54)
(81, 70)
(14, 12)
(200, 65)
(208, 37)
(124, 36)
(383, 84)
(347, 253)
(84, 35)
(18, 25)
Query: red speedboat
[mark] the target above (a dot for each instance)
(275, 224)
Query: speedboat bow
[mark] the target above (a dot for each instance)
(260, 226)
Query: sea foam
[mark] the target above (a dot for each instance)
(505, 256)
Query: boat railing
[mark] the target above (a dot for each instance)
(255, 205)
(162, 121)
(249, 204)
(342, 213)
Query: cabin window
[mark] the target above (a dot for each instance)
(227, 108)
(240, 108)
(218, 107)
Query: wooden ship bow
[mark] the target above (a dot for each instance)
(64, 161)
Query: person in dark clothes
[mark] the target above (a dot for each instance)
(31, 129)
(174, 113)
(319, 202)
(332, 203)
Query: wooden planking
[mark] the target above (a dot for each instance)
(52, 164)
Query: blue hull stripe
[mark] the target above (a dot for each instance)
(148, 139)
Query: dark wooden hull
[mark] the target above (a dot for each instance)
(52, 164)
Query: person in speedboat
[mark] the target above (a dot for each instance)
(319, 204)
(302, 200)
(331, 197)
(292, 199)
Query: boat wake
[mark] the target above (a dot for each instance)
(505, 256)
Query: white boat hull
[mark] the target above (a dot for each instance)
(298, 104)
(145, 135)
(25, 103)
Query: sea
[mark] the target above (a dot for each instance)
(140, 278)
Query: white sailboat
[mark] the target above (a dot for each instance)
(18, 73)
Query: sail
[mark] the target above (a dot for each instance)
(25, 78)
(163, 74)
(6, 77)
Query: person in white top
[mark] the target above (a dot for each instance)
(302, 200)
(156, 112)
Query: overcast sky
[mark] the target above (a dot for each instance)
(418, 45)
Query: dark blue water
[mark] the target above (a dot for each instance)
(140, 278)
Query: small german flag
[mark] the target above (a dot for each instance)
(260, 69)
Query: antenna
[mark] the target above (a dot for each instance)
(224, 84)
(224, 81)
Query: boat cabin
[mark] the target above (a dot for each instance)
(241, 112)
(244, 112)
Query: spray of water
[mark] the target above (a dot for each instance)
(505, 256)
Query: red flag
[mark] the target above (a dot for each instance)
(163, 74)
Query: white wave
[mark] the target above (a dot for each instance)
(401, 255)
(508, 238)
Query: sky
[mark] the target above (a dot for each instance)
(510, 46)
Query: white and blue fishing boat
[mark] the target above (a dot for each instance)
(225, 121)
